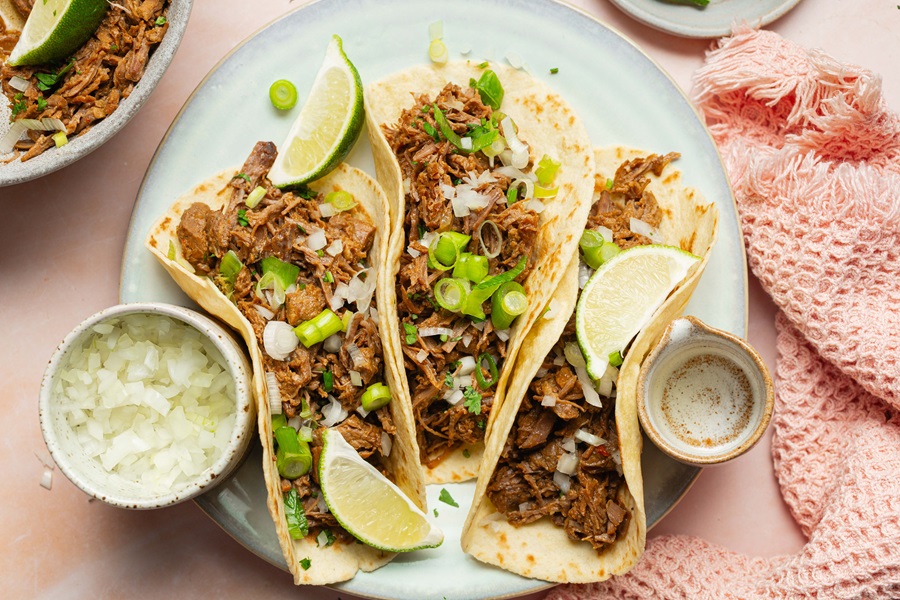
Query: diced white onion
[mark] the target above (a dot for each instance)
(279, 340)
(326, 209)
(322, 538)
(322, 507)
(574, 355)
(604, 387)
(562, 481)
(316, 239)
(336, 247)
(362, 412)
(386, 444)
(296, 422)
(47, 479)
(356, 378)
(549, 400)
(421, 355)
(589, 438)
(479, 326)
(430, 331)
(356, 355)
(273, 393)
(361, 289)
(465, 143)
(150, 401)
(584, 274)
(333, 413)
(502, 334)
(605, 232)
(454, 397)
(520, 160)
(568, 444)
(413, 252)
(467, 365)
(339, 296)
(333, 343)
(641, 228)
(535, 205)
(541, 373)
(407, 185)
(8, 142)
(559, 360)
(466, 339)
(514, 173)
(266, 314)
(567, 463)
(373, 314)
(587, 386)
(19, 84)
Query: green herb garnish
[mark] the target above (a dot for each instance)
(19, 104)
(243, 176)
(41, 104)
(466, 453)
(472, 400)
(298, 526)
(242, 218)
(448, 379)
(160, 21)
(446, 498)
(328, 380)
(48, 80)
(554, 71)
(412, 333)
(489, 88)
(305, 563)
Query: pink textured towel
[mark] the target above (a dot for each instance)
(814, 157)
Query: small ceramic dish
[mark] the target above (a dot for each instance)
(80, 146)
(179, 411)
(704, 395)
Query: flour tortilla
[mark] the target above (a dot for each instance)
(550, 126)
(338, 562)
(541, 549)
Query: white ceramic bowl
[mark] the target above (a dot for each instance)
(87, 473)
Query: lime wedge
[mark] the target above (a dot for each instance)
(328, 124)
(367, 504)
(55, 29)
(622, 295)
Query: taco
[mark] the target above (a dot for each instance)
(268, 262)
(560, 495)
(485, 170)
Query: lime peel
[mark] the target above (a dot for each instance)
(621, 297)
(367, 504)
(55, 29)
(327, 126)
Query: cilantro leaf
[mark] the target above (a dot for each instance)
(446, 498)
(448, 379)
(242, 218)
(472, 400)
(412, 333)
(298, 526)
(306, 563)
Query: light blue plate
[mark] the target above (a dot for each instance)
(713, 20)
(623, 97)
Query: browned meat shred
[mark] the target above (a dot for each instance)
(97, 76)
(427, 164)
(275, 227)
(629, 197)
(522, 486)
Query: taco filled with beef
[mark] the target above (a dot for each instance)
(560, 494)
(297, 274)
(485, 170)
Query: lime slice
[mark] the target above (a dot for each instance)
(55, 29)
(327, 126)
(368, 505)
(621, 296)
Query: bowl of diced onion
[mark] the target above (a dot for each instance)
(145, 405)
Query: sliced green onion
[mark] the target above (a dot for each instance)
(437, 52)
(451, 294)
(305, 409)
(323, 325)
(172, 254)
(542, 192)
(328, 381)
(615, 359)
(283, 94)
(489, 88)
(278, 420)
(270, 281)
(546, 170)
(470, 266)
(446, 129)
(60, 139)
(590, 243)
(507, 303)
(486, 288)
(293, 457)
(491, 368)
(230, 266)
(340, 200)
(444, 250)
(284, 272)
(375, 396)
(258, 193)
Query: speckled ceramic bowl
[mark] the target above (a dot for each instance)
(87, 473)
(80, 146)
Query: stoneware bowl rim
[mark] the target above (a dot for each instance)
(236, 363)
(714, 459)
(80, 146)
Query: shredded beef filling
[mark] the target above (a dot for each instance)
(97, 77)
(523, 486)
(278, 226)
(426, 164)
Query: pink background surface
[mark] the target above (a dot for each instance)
(60, 258)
